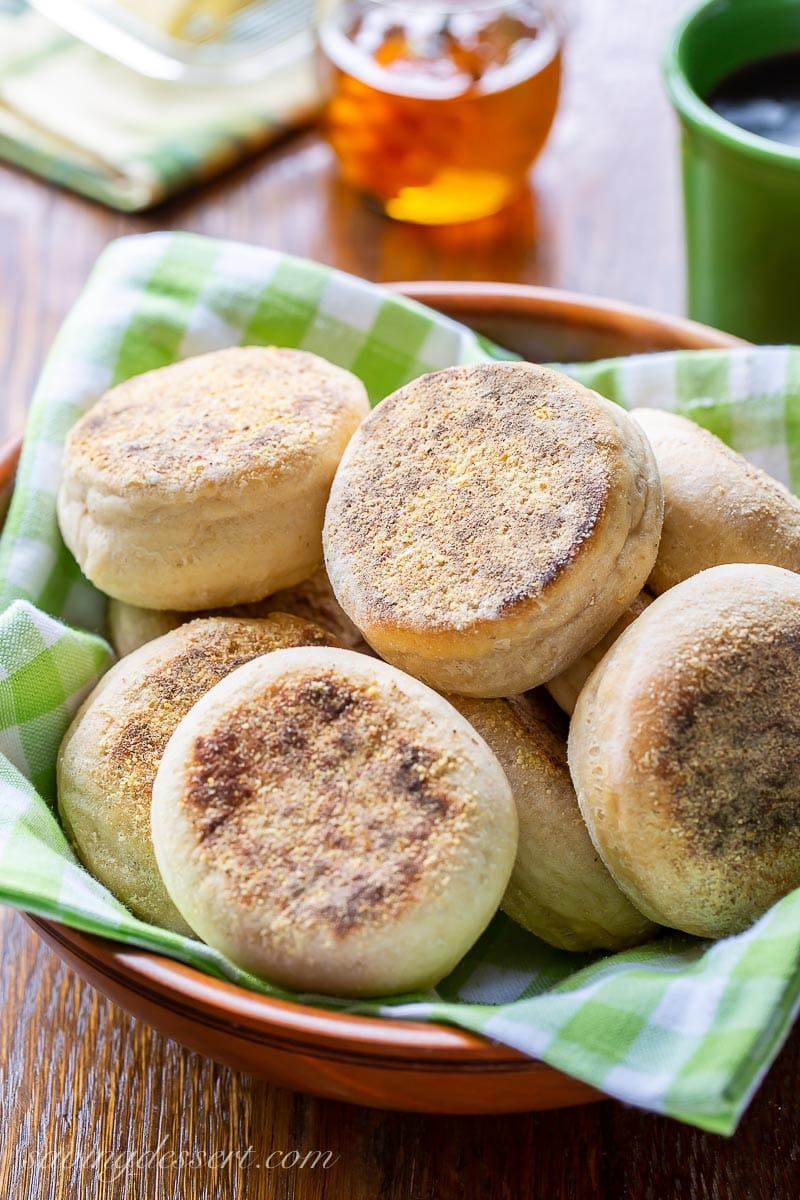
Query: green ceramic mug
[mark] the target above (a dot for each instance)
(741, 191)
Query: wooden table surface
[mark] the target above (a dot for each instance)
(81, 1084)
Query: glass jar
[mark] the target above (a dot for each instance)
(439, 107)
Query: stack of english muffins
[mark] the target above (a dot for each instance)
(495, 643)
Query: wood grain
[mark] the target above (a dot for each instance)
(604, 215)
(77, 1075)
(79, 1078)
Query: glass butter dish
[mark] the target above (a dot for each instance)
(191, 41)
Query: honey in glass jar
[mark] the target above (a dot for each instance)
(438, 108)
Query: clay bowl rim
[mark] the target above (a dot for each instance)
(292, 1023)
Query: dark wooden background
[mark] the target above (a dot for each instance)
(78, 1077)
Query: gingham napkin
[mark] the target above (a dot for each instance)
(680, 1026)
(86, 122)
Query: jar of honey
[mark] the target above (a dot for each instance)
(439, 107)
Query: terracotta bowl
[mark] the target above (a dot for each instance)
(387, 1064)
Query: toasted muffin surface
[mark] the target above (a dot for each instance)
(203, 484)
(349, 813)
(111, 752)
(685, 750)
(238, 414)
(313, 600)
(460, 505)
(726, 739)
(489, 523)
(332, 824)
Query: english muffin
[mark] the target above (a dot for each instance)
(130, 627)
(110, 754)
(685, 750)
(566, 687)
(718, 508)
(559, 888)
(204, 483)
(313, 599)
(333, 825)
(489, 524)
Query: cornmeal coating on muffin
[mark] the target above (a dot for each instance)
(333, 825)
(130, 627)
(718, 507)
(559, 888)
(204, 483)
(489, 524)
(111, 752)
(685, 750)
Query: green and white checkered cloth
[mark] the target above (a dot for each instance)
(680, 1026)
(84, 121)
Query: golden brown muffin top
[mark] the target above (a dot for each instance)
(140, 715)
(313, 600)
(234, 414)
(531, 727)
(468, 492)
(346, 810)
(725, 738)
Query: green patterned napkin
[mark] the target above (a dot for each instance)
(86, 122)
(679, 1026)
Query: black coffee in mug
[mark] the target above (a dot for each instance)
(763, 97)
